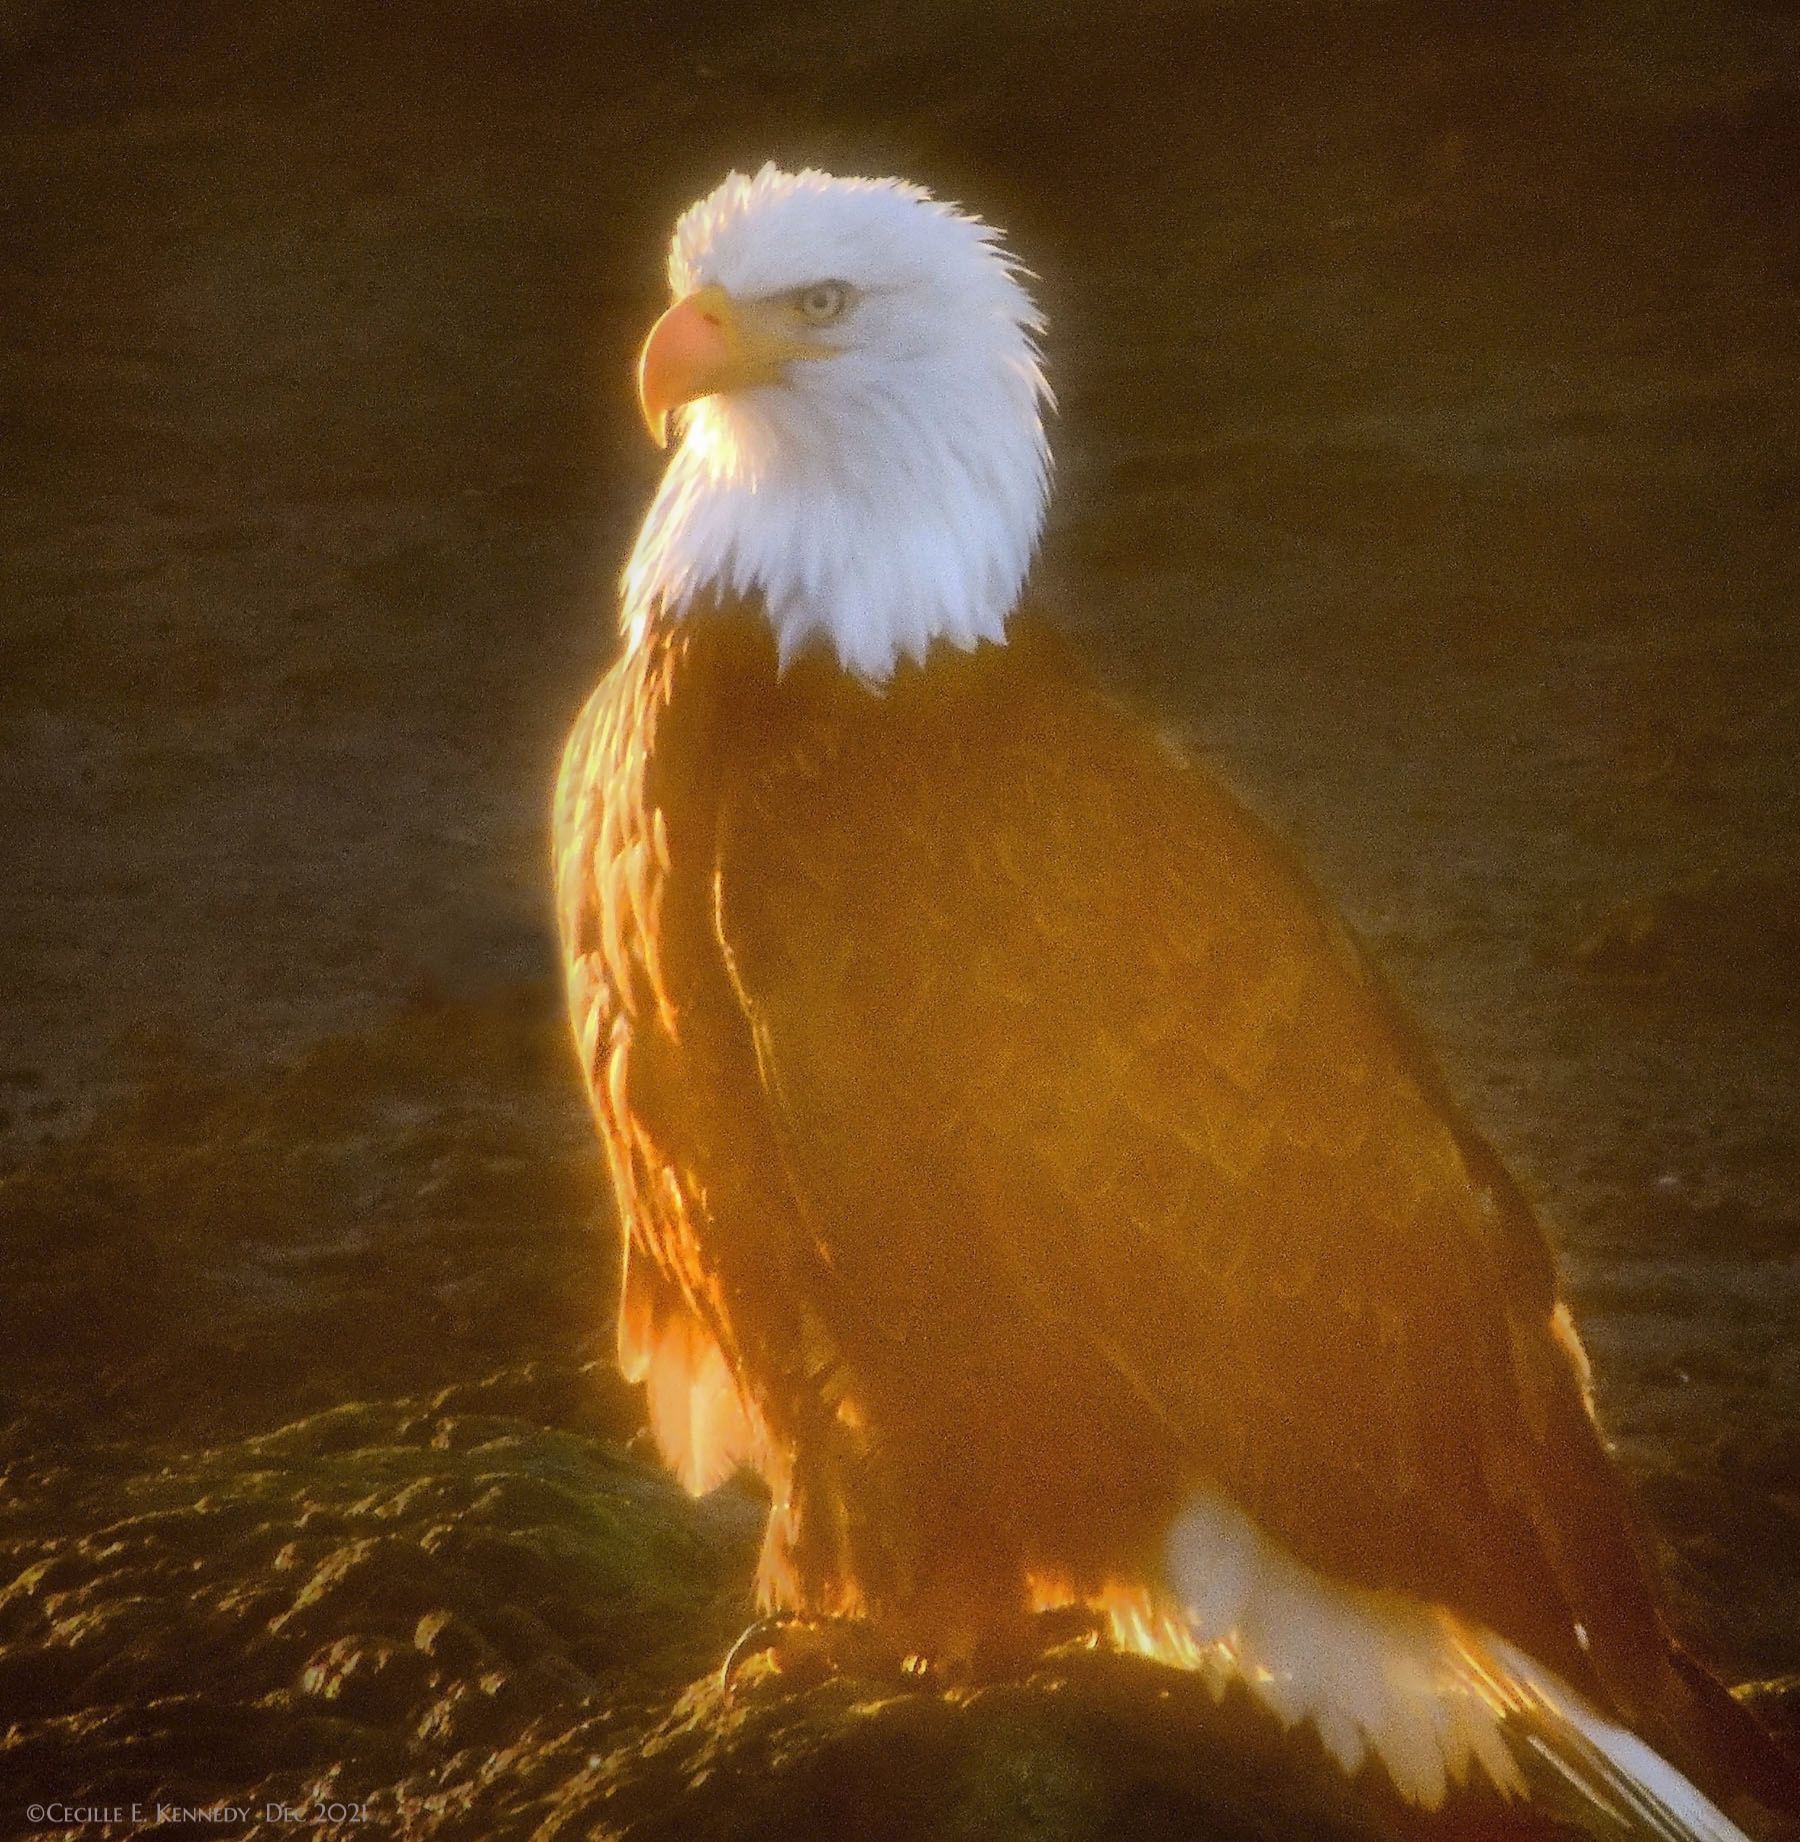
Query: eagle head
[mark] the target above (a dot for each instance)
(856, 373)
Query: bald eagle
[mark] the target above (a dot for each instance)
(1019, 1164)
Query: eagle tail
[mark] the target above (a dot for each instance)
(1584, 1769)
(1436, 1701)
(1735, 1744)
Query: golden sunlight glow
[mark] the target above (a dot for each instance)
(1441, 1680)
(710, 439)
(1139, 1624)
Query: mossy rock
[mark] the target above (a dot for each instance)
(477, 1626)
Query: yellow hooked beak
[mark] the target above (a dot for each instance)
(708, 343)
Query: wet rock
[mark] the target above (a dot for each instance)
(410, 1622)
(482, 1712)
(1089, 1747)
(593, 1397)
(368, 1679)
(520, 1633)
(382, 1577)
(525, 1634)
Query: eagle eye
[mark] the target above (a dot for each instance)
(823, 302)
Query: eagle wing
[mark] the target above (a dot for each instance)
(1055, 1035)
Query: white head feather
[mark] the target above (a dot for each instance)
(892, 495)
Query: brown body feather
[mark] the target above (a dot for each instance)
(1009, 1142)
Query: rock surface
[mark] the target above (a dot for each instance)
(464, 1624)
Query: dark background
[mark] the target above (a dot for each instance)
(1427, 453)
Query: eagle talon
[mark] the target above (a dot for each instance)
(759, 1638)
(808, 1650)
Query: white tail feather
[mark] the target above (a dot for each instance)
(1622, 1788)
(1380, 1675)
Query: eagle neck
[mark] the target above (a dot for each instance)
(933, 546)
